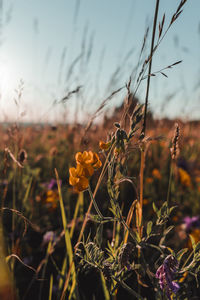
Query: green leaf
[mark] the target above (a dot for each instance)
(172, 208)
(193, 242)
(68, 243)
(168, 230)
(149, 227)
(155, 208)
(105, 289)
(197, 247)
(181, 253)
(50, 287)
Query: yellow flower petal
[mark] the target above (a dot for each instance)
(104, 146)
(78, 157)
(82, 184)
(73, 179)
(98, 164)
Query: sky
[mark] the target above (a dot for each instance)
(49, 48)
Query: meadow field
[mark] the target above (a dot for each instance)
(104, 209)
(42, 214)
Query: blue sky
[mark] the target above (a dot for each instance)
(41, 41)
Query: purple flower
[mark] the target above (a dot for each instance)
(165, 274)
(47, 237)
(191, 222)
(52, 185)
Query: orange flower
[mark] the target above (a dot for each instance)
(77, 178)
(51, 199)
(83, 158)
(197, 179)
(88, 160)
(104, 146)
(96, 161)
(156, 174)
(149, 179)
(185, 178)
(196, 236)
(145, 201)
(86, 163)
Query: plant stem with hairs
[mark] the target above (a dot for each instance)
(95, 204)
(145, 117)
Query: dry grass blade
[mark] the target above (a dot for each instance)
(128, 220)
(181, 5)
(26, 221)
(51, 287)
(161, 71)
(7, 150)
(64, 99)
(104, 102)
(161, 26)
(19, 259)
(67, 242)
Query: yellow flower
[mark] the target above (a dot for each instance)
(156, 174)
(51, 199)
(145, 201)
(196, 236)
(197, 179)
(96, 161)
(88, 160)
(184, 178)
(83, 158)
(86, 163)
(149, 179)
(104, 146)
(77, 178)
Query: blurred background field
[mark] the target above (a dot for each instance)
(33, 189)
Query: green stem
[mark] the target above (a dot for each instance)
(169, 185)
(185, 263)
(150, 64)
(95, 204)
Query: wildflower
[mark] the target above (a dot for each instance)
(149, 179)
(96, 163)
(156, 174)
(77, 178)
(104, 146)
(87, 162)
(191, 222)
(145, 201)
(185, 178)
(197, 179)
(52, 185)
(165, 274)
(51, 199)
(196, 236)
(47, 237)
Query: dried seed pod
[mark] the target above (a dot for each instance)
(22, 156)
(117, 125)
(175, 148)
(124, 254)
